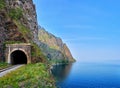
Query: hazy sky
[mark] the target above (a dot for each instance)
(91, 28)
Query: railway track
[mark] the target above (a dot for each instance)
(9, 69)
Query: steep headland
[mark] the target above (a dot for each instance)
(54, 48)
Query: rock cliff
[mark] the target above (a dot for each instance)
(18, 24)
(28, 16)
(53, 47)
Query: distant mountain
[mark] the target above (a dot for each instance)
(54, 48)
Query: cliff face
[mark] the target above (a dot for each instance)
(18, 23)
(28, 18)
(53, 47)
(2, 37)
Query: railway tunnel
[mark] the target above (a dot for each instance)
(18, 53)
(18, 57)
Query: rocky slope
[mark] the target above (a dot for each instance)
(18, 23)
(53, 47)
(28, 16)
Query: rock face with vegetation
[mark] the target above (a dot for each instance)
(25, 12)
(53, 47)
(18, 24)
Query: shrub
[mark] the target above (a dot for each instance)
(16, 13)
(37, 55)
(23, 30)
(28, 76)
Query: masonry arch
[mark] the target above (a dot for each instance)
(18, 53)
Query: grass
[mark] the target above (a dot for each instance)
(2, 4)
(23, 30)
(29, 76)
(12, 42)
(16, 13)
(3, 65)
(37, 54)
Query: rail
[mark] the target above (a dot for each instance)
(9, 69)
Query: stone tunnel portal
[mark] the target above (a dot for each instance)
(18, 57)
(18, 53)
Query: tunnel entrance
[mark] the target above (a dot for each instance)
(18, 57)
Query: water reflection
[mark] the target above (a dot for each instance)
(60, 72)
(90, 75)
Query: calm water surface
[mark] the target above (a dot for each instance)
(87, 75)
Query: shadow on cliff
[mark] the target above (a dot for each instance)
(53, 54)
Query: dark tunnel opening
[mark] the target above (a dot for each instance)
(18, 57)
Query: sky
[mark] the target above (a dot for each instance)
(90, 28)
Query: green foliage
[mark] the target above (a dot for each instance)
(3, 65)
(37, 53)
(12, 42)
(16, 13)
(28, 76)
(24, 30)
(2, 4)
(54, 47)
(59, 61)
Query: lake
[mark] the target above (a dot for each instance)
(87, 75)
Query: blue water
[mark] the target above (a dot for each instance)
(87, 75)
